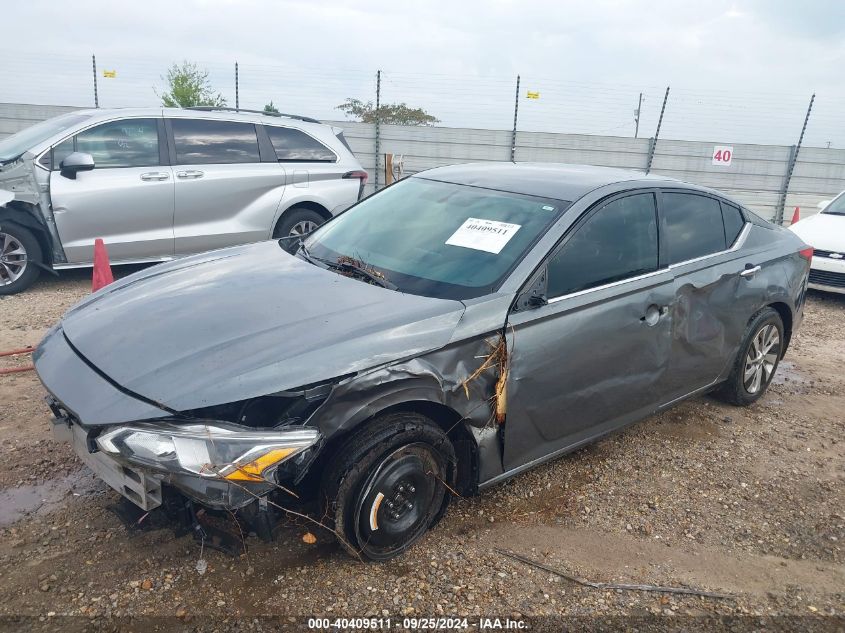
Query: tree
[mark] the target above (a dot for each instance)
(189, 86)
(391, 113)
(271, 108)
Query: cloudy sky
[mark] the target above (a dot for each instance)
(742, 70)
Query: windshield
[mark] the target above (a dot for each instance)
(437, 239)
(837, 207)
(13, 146)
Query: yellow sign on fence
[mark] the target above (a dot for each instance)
(110, 74)
(532, 94)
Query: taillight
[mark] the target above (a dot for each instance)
(806, 253)
(362, 176)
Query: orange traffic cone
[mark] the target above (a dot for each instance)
(102, 269)
(796, 215)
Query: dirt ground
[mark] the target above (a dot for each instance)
(747, 502)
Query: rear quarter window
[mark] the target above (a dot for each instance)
(732, 217)
(295, 146)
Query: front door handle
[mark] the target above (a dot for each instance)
(750, 271)
(155, 175)
(189, 174)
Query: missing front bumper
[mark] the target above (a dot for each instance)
(141, 488)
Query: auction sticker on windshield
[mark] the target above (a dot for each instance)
(483, 235)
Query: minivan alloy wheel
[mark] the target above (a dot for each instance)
(302, 228)
(761, 358)
(13, 259)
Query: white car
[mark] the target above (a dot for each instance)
(825, 232)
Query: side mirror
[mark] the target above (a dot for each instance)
(75, 163)
(534, 296)
(823, 204)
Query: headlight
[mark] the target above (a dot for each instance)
(216, 450)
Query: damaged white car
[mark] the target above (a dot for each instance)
(449, 332)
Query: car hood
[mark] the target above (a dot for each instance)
(245, 322)
(823, 230)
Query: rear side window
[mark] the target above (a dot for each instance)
(734, 222)
(296, 146)
(617, 242)
(126, 143)
(694, 226)
(204, 142)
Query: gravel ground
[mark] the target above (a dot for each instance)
(747, 502)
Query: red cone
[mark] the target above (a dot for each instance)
(102, 269)
(796, 215)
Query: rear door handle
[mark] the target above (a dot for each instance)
(190, 174)
(155, 175)
(750, 270)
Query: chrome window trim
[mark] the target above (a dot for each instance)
(743, 235)
(654, 273)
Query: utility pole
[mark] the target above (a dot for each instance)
(94, 67)
(637, 116)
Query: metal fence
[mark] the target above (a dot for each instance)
(785, 149)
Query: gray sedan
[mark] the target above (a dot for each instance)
(443, 335)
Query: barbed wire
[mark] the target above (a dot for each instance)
(468, 101)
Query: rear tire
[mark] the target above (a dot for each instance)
(19, 252)
(387, 485)
(297, 222)
(757, 360)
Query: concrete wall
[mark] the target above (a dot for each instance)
(755, 176)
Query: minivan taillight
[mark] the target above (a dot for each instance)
(361, 175)
(806, 253)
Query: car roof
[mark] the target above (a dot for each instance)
(560, 181)
(106, 114)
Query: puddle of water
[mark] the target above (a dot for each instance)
(787, 374)
(24, 501)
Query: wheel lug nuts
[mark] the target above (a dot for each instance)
(411, 489)
(390, 504)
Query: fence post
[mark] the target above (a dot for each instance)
(94, 68)
(793, 158)
(237, 93)
(653, 144)
(637, 116)
(378, 129)
(515, 116)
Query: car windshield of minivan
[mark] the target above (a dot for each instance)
(837, 207)
(16, 144)
(434, 239)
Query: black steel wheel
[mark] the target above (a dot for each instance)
(388, 485)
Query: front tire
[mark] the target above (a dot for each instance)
(757, 360)
(388, 485)
(20, 254)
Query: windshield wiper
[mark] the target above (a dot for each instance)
(347, 267)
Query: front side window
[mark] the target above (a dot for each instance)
(204, 142)
(126, 143)
(296, 146)
(694, 226)
(617, 241)
(437, 239)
